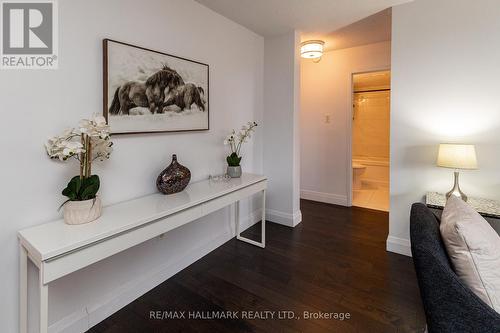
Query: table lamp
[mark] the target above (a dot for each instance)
(457, 156)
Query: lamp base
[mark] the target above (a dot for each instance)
(456, 189)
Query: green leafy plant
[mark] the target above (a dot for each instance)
(236, 140)
(233, 160)
(80, 189)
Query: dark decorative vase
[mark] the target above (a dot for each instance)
(174, 178)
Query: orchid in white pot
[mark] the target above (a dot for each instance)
(235, 141)
(89, 142)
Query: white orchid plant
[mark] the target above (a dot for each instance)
(236, 140)
(88, 142)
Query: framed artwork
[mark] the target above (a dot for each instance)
(147, 91)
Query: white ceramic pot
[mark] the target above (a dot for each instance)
(234, 171)
(80, 212)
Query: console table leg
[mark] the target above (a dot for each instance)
(23, 289)
(44, 305)
(262, 243)
(237, 218)
(263, 221)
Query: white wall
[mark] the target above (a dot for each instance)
(371, 125)
(445, 84)
(281, 128)
(326, 89)
(38, 104)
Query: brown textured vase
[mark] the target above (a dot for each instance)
(174, 178)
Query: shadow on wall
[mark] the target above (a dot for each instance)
(421, 156)
(486, 151)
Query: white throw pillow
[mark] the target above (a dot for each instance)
(474, 249)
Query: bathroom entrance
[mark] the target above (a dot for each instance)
(370, 145)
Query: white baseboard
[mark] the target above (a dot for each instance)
(290, 220)
(329, 198)
(398, 245)
(84, 319)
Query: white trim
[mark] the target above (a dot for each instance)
(74, 322)
(330, 198)
(290, 220)
(83, 319)
(399, 245)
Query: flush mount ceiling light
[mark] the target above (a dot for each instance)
(312, 49)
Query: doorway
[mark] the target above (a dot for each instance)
(370, 139)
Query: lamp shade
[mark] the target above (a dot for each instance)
(312, 49)
(457, 156)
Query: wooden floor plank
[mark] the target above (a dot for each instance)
(334, 261)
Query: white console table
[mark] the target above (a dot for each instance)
(58, 249)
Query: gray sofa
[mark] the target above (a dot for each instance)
(450, 306)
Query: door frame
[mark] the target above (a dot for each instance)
(349, 125)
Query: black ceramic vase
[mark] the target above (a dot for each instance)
(174, 178)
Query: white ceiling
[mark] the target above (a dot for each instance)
(312, 17)
(372, 29)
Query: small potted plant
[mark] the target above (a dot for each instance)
(235, 141)
(87, 143)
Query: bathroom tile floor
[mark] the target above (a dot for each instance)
(372, 197)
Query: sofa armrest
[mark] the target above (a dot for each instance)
(450, 306)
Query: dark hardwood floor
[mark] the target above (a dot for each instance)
(334, 261)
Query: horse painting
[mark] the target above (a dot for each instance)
(130, 95)
(185, 96)
(150, 91)
(156, 85)
(149, 94)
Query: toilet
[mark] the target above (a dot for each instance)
(357, 170)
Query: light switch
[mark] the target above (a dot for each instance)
(328, 118)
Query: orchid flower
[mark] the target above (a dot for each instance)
(86, 143)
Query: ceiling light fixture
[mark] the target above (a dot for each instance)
(312, 49)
